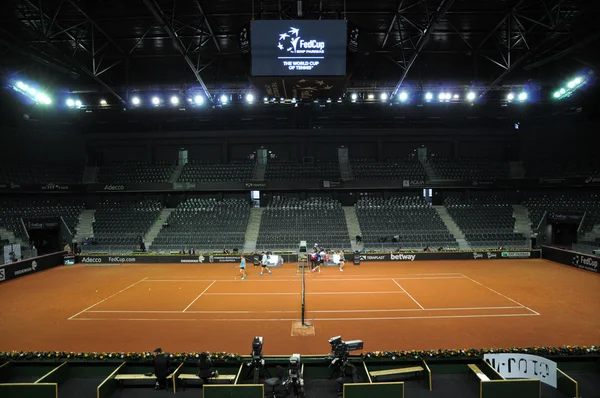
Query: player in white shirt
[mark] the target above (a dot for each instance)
(264, 264)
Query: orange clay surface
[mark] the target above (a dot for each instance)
(391, 306)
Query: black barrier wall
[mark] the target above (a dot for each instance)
(572, 259)
(427, 256)
(30, 266)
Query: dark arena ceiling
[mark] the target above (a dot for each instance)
(116, 46)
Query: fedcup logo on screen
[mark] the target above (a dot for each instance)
(299, 54)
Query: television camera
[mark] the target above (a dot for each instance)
(341, 349)
(295, 380)
(257, 363)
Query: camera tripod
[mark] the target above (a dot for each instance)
(257, 365)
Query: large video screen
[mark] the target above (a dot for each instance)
(298, 48)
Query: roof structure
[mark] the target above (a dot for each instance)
(114, 46)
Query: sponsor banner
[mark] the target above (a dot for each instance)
(573, 259)
(174, 259)
(574, 217)
(137, 187)
(523, 366)
(30, 266)
(256, 185)
(424, 256)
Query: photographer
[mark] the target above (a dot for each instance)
(161, 369)
(348, 374)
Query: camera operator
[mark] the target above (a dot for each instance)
(348, 374)
(162, 369)
(205, 368)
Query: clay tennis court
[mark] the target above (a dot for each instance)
(389, 305)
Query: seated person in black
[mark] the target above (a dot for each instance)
(205, 368)
(348, 374)
(161, 369)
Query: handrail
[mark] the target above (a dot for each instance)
(67, 227)
(25, 229)
(581, 223)
(542, 219)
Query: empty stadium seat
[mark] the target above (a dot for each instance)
(486, 221)
(131, 172)
(118, 225)
(279, 170)
(205, 224)
(198, 171)
(392, 169)
(470, 169)
(40, 173)
(287, 221)
(416, 223)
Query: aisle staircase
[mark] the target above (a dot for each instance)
(176, 173)
(522, 221)
(9, 235)
(429, 170)
(85, 225)
(453, 227)
(346, 170)
(252, 229)
(353, 226)
(90, 175)
(156, 227)
(517, 170)
(259, 172)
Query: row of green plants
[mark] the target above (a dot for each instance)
(440, 354)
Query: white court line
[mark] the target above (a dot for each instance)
(200, 295)
(408, 294)
(291, 294)
(500, 294)
(291, 312)
(312, 319)
(273, 280)
(101, 301)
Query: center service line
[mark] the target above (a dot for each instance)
(200, 295)
(408, 294)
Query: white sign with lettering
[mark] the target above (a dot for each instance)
(523, 366)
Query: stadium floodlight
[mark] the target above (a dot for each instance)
(403, 96)
(136, 101)
(155, 101)
(428, 96)
(70, 102)
(32, 91)
(78, 103)
(249, 98)
(571, 84)
(224, 99)
(265, 100)
(577, 81)
(103, 102)
(198, 100)
(448, 96)
(441, 96)
(174, 100)
(293, 100)
(456, 97)
(556, 94)
(371, 96)
(522, 96)
(383, 97)
(354, 97)
(43, 98)
(471, 96)
(562, 91)
(21, 85)
(510, 96)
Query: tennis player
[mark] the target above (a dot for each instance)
(313, 260)
(320, 259)
(264, 263)
(243, 267)
(342, 260)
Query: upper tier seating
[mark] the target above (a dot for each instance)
(392, 169)
(487, 221)
(562, 168)
(416, 223)
(118, 225)
(287, 221)
(470, 169)
(538, 203)
(128, 172)
(41, 173)
(205, 224)
(206, 172)
(11, 212)
(327, 171)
